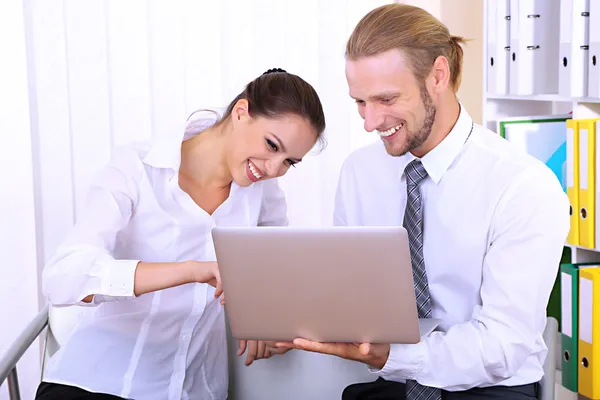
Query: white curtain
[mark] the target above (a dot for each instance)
(103, 73)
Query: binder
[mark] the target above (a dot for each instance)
(588, 371)
(597, 184)
(569, 278)
(574, 48)
(534, 40)
(543, 137)
(569, 298)
(594, 50)
(587, 183)
(572, 178)
(498, 42)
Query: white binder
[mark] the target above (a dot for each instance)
(534, 41)
(594, 52)
(498, 20)
(574, 48)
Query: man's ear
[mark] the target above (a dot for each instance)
(440, 75)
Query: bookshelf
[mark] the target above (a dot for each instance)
(497, 106)
(500, 104)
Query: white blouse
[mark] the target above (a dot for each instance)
(170, 344)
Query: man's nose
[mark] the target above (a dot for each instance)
(373, 118)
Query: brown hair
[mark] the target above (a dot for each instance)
(419, 35)
(276, 93)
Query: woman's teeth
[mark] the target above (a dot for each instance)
(254, 171)
(390, 131)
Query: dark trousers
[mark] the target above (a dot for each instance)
(54, 391)
(387, 390)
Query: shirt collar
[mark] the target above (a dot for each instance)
(166, 151)
(439, 159)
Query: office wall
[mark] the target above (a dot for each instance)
(81, 77)
(18, 272)
(463, 18)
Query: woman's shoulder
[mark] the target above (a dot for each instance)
(129, 157)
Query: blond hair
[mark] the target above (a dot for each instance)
(420, 36)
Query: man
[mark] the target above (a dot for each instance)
(486, 223)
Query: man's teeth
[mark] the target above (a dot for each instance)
(256, 174)
(390, 131)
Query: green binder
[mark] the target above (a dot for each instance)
(569, 277)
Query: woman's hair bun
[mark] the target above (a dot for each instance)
(273, 70)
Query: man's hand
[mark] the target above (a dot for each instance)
(259, 350)
(375, 355)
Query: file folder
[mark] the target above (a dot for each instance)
(569, 289)
(587, 183)
(498, 42)
(574, 48)
(553, 309)
(534, 39)
(594, 51)
(543, 137)
(572, 179)
(588, 379)
(569, 279)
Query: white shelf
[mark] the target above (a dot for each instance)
(542, 97)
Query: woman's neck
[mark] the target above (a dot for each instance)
(203, 158)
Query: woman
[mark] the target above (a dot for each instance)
(142, 251)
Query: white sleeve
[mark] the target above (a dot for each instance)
(529, 229)
(83, 265)
(273, 209)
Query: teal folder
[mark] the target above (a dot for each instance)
(543, 137)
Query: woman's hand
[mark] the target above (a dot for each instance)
(153, 276)
(258, 349)
(207, 272)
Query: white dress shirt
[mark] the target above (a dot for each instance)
(495, 222)
(170, 344)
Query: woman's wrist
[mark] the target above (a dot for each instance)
(190, 271)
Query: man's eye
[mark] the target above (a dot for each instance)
(388, 100)
(272, 145)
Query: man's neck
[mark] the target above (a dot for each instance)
(447, 114)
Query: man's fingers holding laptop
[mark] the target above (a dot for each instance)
(375, 355)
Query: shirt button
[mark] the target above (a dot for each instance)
(185, 337)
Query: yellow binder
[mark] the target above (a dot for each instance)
(587, 182)
(573, 179)
(589, 333)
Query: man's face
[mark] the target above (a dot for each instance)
(391, 101)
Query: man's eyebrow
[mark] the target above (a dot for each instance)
(379, 96)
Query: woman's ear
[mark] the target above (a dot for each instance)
(240, 110)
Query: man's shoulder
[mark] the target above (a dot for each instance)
(509, 165)
(503, 154)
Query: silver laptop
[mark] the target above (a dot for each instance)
(337, 284)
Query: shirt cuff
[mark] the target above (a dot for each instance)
(405, 361)
(119, 278)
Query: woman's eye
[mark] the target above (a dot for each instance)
(272, 145)
(291, 163)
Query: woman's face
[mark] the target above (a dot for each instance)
(264, 148)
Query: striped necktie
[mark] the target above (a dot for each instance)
(413, 222)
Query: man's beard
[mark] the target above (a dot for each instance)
(417, 138)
